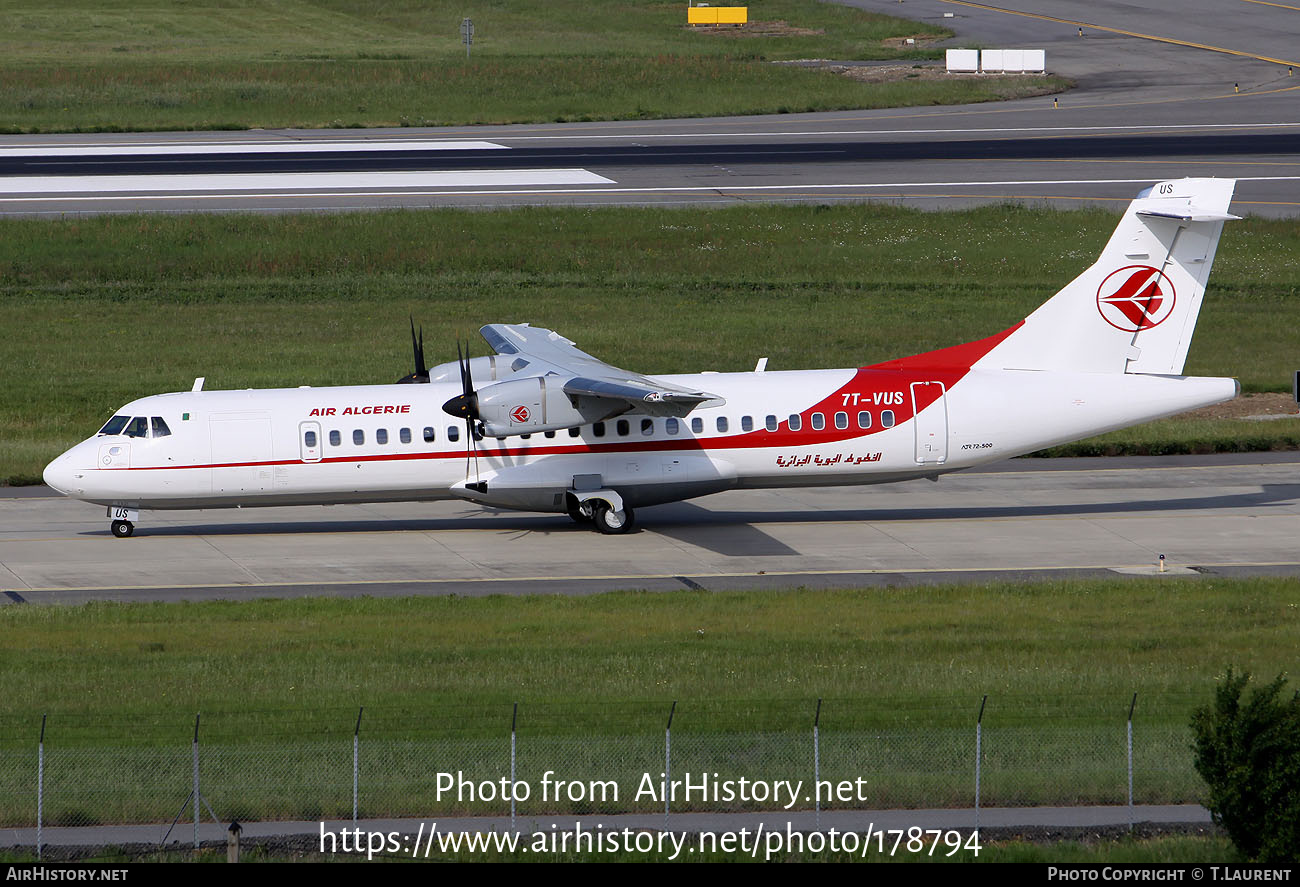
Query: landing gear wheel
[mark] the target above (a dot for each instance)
(610, 522)
(122, 528)
(581, 512)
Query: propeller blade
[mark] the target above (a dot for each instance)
(464, 405)
(421, 370)
(421, 373)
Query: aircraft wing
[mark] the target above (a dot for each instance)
(533, 351)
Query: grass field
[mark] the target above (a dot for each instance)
(736, 661)
(98, 311)
(901, 674)
(154, 64)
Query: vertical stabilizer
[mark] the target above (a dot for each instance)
(1135, 310)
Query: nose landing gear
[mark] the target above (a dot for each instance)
(123, 520)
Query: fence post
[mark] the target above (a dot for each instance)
(668, 757)
(194, 748)
(40, 788)
(817, 767)
(514, 721)
(356, 765)
(979, 755)
(1132, 706)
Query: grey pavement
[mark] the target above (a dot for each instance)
(859, 821)
(1089, 518)
(1143, 111)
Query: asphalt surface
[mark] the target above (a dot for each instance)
(1093, 518)
(1148, 108)
(1016, 820)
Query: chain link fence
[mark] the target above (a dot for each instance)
(546, 760)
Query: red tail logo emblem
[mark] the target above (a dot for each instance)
(1135, 298)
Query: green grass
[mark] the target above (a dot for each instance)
(454, 666)
(901, 673)
(133, 64)
(111, 308)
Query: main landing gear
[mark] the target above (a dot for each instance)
(602, 515)
(122, 528)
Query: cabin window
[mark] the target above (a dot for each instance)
(160, 428)
(381, 436)
(670, 426)
(309, 439)
(453, 433)
(746, 423)
(647, 427)
(404, 435)
(550, 434)
(524, 436)
(864, 419)
(887, 418)
(138, 427)
(841, 421)
(336, 439)
(697, 425)
(598, 429)
(574, 432)
(358, 437)
(430, 435)
(115, 425)
(796, 422)
(771, 424)
(818, 421)
(622, 427)
(722, 424)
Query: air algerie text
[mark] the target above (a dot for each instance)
(361, 411)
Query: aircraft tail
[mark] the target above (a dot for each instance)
(1135, 310)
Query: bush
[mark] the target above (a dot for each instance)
(1248, 753)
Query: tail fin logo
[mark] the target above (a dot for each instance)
(1135, 298)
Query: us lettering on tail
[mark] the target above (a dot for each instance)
(541, 425)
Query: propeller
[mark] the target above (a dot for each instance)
(465, 406)
(421, 373)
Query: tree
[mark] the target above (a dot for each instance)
(1248, 753)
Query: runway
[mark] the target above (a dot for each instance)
(1209, 516)
(1201, 94)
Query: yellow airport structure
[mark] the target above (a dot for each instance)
(717, 15)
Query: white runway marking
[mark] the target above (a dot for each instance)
(297, 182)
(720, 188)
(241, 148)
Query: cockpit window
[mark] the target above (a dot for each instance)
(115, 425)
(137, 427)
(160, 428)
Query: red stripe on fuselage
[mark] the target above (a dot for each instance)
(947, 365)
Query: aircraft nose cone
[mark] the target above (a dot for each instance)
(58, 474)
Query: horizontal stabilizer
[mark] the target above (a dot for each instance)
(1191, 214)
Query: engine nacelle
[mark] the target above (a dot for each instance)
(527, 406)
(493, 368)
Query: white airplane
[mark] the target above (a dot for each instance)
(553, 429)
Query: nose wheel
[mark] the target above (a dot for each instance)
(122, 528)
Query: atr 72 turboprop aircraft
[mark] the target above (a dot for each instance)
(552, 429)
